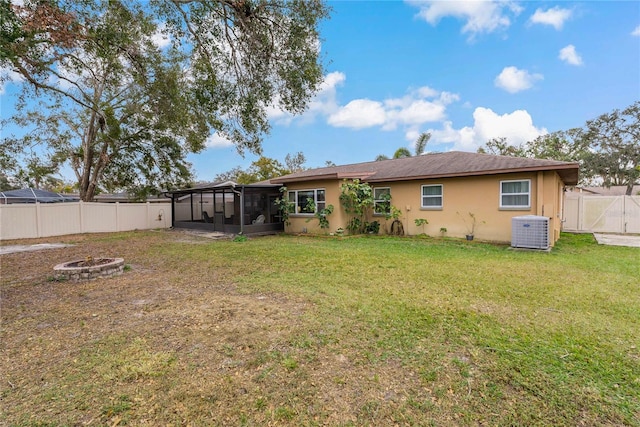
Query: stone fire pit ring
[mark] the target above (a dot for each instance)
(78, 271)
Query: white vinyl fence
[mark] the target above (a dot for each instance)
(24, 221)
(602, 214)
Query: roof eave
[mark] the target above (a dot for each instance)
(323, 177)
(568, 173)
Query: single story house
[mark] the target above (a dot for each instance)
(444, 189)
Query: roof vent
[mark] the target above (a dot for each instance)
(530, 231)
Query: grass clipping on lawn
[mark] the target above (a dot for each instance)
(289, 330)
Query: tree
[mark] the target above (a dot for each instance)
(607, 148)
(614, 139)
(356, 198)
(123, 112)
(401, 152)
(421, 143)
(501, 147)
(38, 175)
(295, 163)
(263, 169)
(567, 146)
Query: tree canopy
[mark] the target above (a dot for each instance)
(420, 145)
(102, 96)
(607, 148)
(263, 169)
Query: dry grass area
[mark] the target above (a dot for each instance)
(168, 343)
(202, 332)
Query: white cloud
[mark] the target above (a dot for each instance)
(8, 76)
(514, 80)
(636, 31)
(480, 16)
(358, 114)
(217, 141)
(569, 55)
(555, 17)
(324, 102)
(161, 37)
(462, 139)
(410, 111)
(517, 127)
(415, 113)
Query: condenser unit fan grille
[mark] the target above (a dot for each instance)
(530, 231)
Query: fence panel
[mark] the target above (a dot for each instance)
(99, 217)
(25, 221)
(632, 214)
(57, 219)
(571, 220)
(604, 214)
(18, 222)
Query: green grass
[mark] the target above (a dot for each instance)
(520, 337)
(295, 330)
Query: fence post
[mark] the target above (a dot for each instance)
(81, 214)
(38, 220)
(117, 216)
(148, 217)
(580, 212)
(624, 214)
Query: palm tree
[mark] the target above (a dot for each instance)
(401, 152)
(421, 142)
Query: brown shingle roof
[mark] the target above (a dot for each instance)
(437, 165)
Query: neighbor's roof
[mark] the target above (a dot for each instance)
(436, 165)
(614, 190)
(32, 195)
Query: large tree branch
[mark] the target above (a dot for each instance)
(40, 85)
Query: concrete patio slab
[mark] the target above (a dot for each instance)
(26, 248)
(632, 240)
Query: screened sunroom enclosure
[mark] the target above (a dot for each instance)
(228, 208)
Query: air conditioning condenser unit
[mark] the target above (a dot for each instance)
(530, 231)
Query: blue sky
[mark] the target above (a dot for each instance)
(464, 71)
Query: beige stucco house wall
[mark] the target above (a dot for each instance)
(478, 193)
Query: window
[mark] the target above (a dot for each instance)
(307, 201)
(381, 201)
(515, 194)
(432, 196)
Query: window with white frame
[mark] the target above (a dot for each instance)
(432, 196)
(515, 194)
(307, 201)
(381, 200)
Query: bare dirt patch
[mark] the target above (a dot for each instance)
(173, 343)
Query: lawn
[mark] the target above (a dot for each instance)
(294, 330)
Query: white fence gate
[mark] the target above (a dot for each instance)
(25, 221)
(603, 214)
